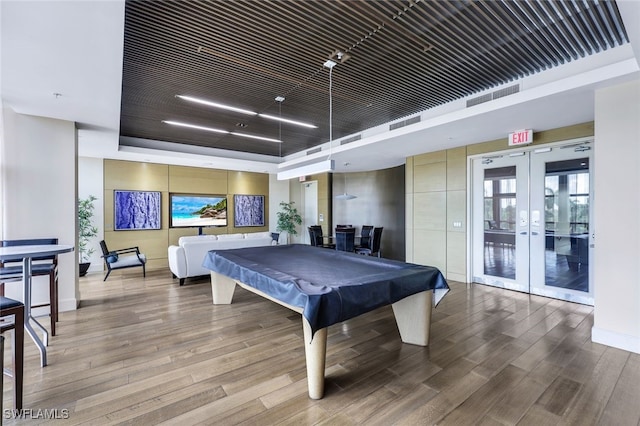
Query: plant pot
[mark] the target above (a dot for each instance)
(84, 267)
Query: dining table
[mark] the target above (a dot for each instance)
(26, 253)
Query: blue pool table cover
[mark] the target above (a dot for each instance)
(331, 286)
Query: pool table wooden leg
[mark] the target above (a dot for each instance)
(222, 289)
(315, 350)
(413, 316)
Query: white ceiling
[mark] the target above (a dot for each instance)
(74, 49)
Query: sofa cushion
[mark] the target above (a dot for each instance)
(230, 236)
(258, 235)
(207, 237)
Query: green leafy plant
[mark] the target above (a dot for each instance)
(288, 218)
(86, 229)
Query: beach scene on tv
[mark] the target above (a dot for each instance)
(198, 210)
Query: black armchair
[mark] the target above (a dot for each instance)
(114, 259)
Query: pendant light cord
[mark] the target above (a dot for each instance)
(330, 113)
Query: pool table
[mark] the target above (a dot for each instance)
(328, 287)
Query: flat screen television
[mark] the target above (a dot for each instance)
(197, 210)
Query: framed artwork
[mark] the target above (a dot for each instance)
(136, 210)
(248, 210)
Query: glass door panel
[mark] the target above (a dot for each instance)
(560, 245)
(501, 222)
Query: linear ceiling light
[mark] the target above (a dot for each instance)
(309, 169)
(286, 120)
(193, 126)
(260, 138)
(215, 104)
(211, 129)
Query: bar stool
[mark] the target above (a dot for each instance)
(42, 266)
(13, 308)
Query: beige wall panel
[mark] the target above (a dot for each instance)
(461, 278)
(248, 183)
(430, 157)
(325, 206)
(456, 253)
(409, 228)
(457, 210)
(408, 177)
(152, 243)
(430, 177)
(539, 138)
(323, 180)
(135, 176)
(457, 168)
(429, 248)
(430, 211)
(108, 209)
(194, 180)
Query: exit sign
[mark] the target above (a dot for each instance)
(521, 137)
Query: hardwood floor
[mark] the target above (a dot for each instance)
(147, 351)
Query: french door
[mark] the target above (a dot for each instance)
(531, 217)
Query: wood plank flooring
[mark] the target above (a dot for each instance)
(147, 351)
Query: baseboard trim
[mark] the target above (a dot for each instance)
(67, 305)
(616, 340)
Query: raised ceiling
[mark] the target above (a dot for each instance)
(403, 57)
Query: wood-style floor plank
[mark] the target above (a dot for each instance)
(146, 351)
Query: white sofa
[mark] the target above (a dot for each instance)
(185, 259)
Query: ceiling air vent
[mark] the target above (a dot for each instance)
(351, 139)
(479, 100)
(406, 122)
(500, 93)
(314, 150)
(506, 91)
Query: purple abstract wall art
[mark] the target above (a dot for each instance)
(248, 210)
(136, 210)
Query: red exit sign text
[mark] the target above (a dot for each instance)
(521, 137)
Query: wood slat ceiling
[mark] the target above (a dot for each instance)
(404, 57)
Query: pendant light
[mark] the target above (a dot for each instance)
(346, 195)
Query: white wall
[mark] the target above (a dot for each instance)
(278, 192)
(617, 217)
(39, 194)
(91, 182)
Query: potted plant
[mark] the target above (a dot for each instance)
(86, 231)
(288, 218)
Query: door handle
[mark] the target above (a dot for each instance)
(534, 233)
(523, 233)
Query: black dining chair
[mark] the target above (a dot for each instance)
(12, 318)
(345, 239)
(41, 266)
(317, 238)
(374, 249)
(365, 237)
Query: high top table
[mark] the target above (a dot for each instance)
(26, 254)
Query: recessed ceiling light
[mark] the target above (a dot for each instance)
(215, 104)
